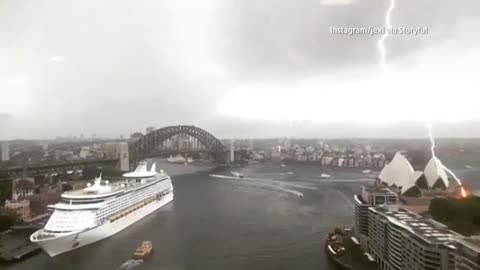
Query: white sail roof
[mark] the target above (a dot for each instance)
(397, 172)
(435, 170)
(412, 181)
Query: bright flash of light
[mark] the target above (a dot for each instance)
(56, 59)
(336, 2)
(381, 41)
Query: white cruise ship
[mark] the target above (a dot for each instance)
(103, 209)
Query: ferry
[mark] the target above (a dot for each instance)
(103, 209)
(178, 159)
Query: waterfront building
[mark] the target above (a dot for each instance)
(232, 150)
(402, 240)
(22, 188)
(326, 161)
(371, 196)
(84, 152)
(368, 149)
(341, 162)
(18, 208)
(5, 151)
(250, 145)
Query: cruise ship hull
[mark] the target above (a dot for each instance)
(62, 244)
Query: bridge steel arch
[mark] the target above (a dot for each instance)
(146, 145)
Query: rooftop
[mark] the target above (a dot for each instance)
(377, 189)
(114, 188)
(373, 189)
(427, 229)
(472, 242)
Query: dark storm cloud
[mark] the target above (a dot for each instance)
(114, 67)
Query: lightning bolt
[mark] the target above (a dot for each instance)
(432, 141)
(432, 149)
(383, 65)
(381, 42)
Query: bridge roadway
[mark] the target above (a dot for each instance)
(56, 166)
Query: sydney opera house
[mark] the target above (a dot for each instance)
(400, 176)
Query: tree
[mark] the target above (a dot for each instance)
(6, 222)
(462, 216)
(5, 190)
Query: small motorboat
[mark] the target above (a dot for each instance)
(237, 174)
(143, 251)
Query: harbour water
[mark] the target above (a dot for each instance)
(271, 219)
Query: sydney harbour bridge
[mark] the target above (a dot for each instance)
(171, 140)
(186, 140)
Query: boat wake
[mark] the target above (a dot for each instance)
(269, 183)
(281, 173)
(130, 264)
(272, 187)
(235, 177)
(344, 180)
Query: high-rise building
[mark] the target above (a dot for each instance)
(150, 129)
(371, 196)
(403, 240)
(232, 150)
(468, 253)
(5, 151)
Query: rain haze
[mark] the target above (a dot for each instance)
(237, 68)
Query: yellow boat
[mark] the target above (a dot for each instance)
(145, 250)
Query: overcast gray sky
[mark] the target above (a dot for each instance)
(237, 68)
